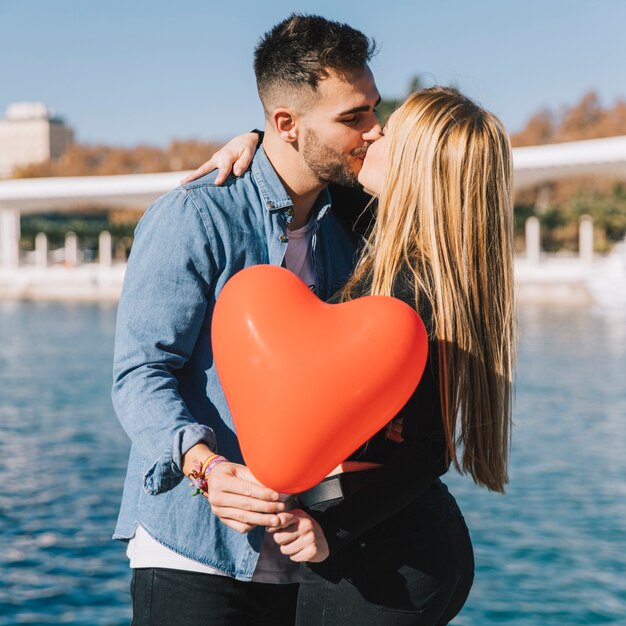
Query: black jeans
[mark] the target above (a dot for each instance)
(166, 597)
(415, 568)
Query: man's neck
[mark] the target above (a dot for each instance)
(299, 182)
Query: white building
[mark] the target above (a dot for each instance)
(29, 133)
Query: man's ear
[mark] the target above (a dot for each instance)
(285, 124)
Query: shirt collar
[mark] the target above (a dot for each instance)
(272, 190)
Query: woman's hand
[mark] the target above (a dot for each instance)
(300, 537)
(235, 156)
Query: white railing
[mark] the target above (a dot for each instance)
(71, 254)
(76, 273)
(533, 165)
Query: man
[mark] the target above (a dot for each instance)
(208, 559)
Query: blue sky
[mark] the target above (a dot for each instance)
(138, 71)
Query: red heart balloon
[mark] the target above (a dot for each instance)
(308, 382)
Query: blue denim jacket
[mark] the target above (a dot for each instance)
(166, 392)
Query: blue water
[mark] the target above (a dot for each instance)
(552, 551)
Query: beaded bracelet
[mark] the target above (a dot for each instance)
(206, 463)
(199, 476)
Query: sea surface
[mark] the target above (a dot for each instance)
(552, 551)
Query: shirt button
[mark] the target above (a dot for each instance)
(270, 205)
(284, 238)
(290, 212)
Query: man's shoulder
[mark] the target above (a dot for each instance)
(189, 207)
(204, 197)
(235, 194)
(206, 183)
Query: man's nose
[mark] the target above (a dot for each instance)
(376, 132)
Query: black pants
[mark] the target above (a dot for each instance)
(166, 597)
(416, 568)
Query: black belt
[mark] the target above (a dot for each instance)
(334, 489)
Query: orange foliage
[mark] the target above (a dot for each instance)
(86, 160)
(587, 119)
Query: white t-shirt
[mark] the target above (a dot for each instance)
(273, 566)
(298, 256)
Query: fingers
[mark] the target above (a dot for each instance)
(205, 168)
(224, 170)
(297, 545)
(301, 539)
(293, 527)
(221, 161)
(310, 554)
(237, 479)
(256, 489)
(235, 501)
(305, 548)
(242, 163)
(286, 522)
(230, 515)
(224, 160)
(239, 500)
(238, 526)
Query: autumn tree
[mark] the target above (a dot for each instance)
(561, 203)
(99, 160)
(587, 119)
(387, 106)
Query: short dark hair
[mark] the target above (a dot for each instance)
(299, 52)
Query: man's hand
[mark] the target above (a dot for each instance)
(240, 500)
(300, 537)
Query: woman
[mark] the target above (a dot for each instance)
(397, 551)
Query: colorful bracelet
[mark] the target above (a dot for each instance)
(212, 464)
(206, 463)
(200, 474)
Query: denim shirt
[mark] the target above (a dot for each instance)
(166, 392)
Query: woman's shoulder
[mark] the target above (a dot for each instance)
(405, 289)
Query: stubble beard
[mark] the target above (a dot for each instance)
(329, 165)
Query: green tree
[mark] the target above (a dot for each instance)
(388, 105)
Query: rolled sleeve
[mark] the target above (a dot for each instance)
(165, 473)
(161, 312)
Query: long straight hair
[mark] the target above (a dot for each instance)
(445, 213)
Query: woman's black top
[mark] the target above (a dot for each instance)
(409, 466)
(353, 207)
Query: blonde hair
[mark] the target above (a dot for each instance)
(445, 214)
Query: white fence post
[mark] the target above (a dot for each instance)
(533, 240)
(71, 250)
(105, 252)
(9, 238)
(41, 250)
(585, 240)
